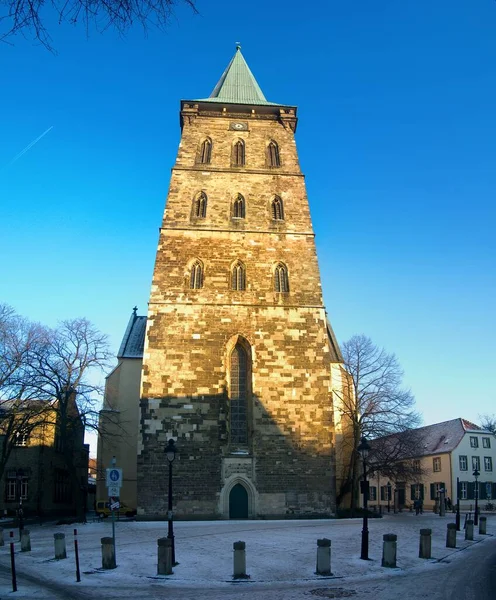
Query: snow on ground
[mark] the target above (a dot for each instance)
(276, 551)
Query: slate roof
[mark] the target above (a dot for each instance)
(133, 342)
(238, 85)
(440, 437)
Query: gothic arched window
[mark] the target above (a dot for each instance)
(238, 154)
(200, 206)
(196, 276)
(239, 395)
(238, 277)
(273, 159)
(239, 207)
(281, 280)
(277, 209)
(205, 153)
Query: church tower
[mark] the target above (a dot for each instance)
(238, 351)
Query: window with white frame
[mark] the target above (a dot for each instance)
(436, 464)
(386, 493)
(16, 486)
(475, 463)
(486, 442)
(488, 463)
(474, 442)
(21, 439)
(463, 463)
(463, 490)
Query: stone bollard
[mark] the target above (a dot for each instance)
(323, 557)
(164, 566)
(389, 550)
(108, 553)
(25, 541)
(451, 536)
(2, 541)
(483, 525)
(425, 543)
(469, 530)
(239, 561)
(59, 542)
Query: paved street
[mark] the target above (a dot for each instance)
(280, 561)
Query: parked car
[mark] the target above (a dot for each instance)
(103, 510)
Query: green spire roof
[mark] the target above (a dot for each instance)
(237, 85)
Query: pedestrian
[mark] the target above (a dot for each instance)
(421, 506)
(416, 505)
(448, 503)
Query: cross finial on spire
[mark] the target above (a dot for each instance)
(135, 310)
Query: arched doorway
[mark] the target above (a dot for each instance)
(238, 502)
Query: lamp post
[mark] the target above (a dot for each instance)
(170, 453)
(363, 451)
(389, 495)
(20, 512)
(476, 494)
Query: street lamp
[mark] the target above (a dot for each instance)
(363, 451)
(170, 452)
(476, 493)
(389, 495)
(20, 512)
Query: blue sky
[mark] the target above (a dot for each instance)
(396, 137)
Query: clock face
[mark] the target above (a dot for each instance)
(237, 126)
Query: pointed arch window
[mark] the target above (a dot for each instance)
(196, 276)
(281, 280)
(239, 395)
(239, 207)
(200, 206)
(238, 277)
(273, 159)
(277, 209)
(205, 153)
(238, 154)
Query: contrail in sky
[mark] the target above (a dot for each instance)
(28, 147)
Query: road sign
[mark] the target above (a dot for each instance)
(114, 490)
(114, 477)
(115, 505)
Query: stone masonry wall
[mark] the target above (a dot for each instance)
(185, 385)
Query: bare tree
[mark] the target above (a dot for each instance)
(20, 411)
(25, 16)
(373, 404)
(66, 366)
(488, 422)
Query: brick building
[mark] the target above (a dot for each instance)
(238, 353)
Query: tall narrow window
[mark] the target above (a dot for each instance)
(239, 207)
(205, 153)
(277, 209)
(281, 280)
(200, 206)
(196, 278)
(238, 155)
(239, 395)
(273, 159)
(238, 277)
